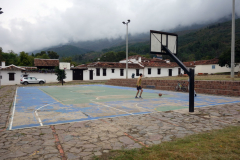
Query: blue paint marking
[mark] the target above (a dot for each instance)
(32, 99)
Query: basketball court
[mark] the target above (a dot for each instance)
(49, 105)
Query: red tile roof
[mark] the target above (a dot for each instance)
(158, 60)
(107, 65)
(206, 62)
(46, 62)
(157, 64)
(12, 68)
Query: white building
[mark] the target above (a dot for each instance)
(44, 69)
(211, 66)
(136, 65)
(11, 75)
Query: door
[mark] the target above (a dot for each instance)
(77, 74)
(179, 71)
(91, 74)
(170, 72)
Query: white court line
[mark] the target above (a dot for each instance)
(145, 108)
(40, 108)
(111, 107)
(10, 127)
(38, 118)
(48, 105)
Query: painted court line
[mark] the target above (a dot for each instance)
(38, 118)
(48, 105)
(111, 107)
(10, 127)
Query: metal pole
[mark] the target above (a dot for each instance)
(62, 76)
(233, 41)
(190, 72)
(191, 90)
(127, 52)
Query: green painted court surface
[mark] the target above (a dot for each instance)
(38, 106)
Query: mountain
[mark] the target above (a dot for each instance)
(205, 43)
(196, 42)
(66, 50)
(208, 42)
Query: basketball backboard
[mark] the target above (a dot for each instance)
(64, 65)
(159, 39)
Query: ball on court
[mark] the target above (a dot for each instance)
(160, 94)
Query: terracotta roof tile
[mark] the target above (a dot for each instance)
(12, 68)
(157, 60)
(46, 62)
(108, 65)
(206, 62)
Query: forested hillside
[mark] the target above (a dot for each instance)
(66, 50)
(206, 43)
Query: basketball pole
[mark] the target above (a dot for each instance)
(62, 76)
(233, 41)
(190, 73)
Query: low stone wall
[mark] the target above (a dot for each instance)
(226, 88)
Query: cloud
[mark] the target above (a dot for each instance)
(28, 25)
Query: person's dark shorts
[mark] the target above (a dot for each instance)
(139, 87)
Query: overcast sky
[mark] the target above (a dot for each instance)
(28, 25)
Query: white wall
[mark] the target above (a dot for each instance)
(109, 74)
(5, 77)
(51, 77)
(208, 69)
(164, 72)
(116, 74)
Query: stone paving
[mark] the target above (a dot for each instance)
(83, 140)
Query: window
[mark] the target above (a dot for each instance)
(11, 76)
(137, 72)
(104, 72)
(112, 70)
(121, 72)
(149, 70)
(159, 71)
(213, 66)
(98, 71)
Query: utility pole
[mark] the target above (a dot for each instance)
(126, 48)
(233, 41)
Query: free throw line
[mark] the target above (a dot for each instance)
(10, 127)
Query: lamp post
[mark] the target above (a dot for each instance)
(1, 11)
(233, 41)
(126, 47)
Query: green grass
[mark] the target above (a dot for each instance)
(218, 144)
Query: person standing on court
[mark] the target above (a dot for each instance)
(139, 86)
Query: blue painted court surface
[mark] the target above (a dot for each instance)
(39, 106)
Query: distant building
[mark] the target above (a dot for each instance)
(210, 66)
(136, 65)
(46, 63)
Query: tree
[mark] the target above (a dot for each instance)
(225, 57)
(25, 60)
(53, 55)
(61, 74)
(66, 59)
(1, 56)
(42, 55)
